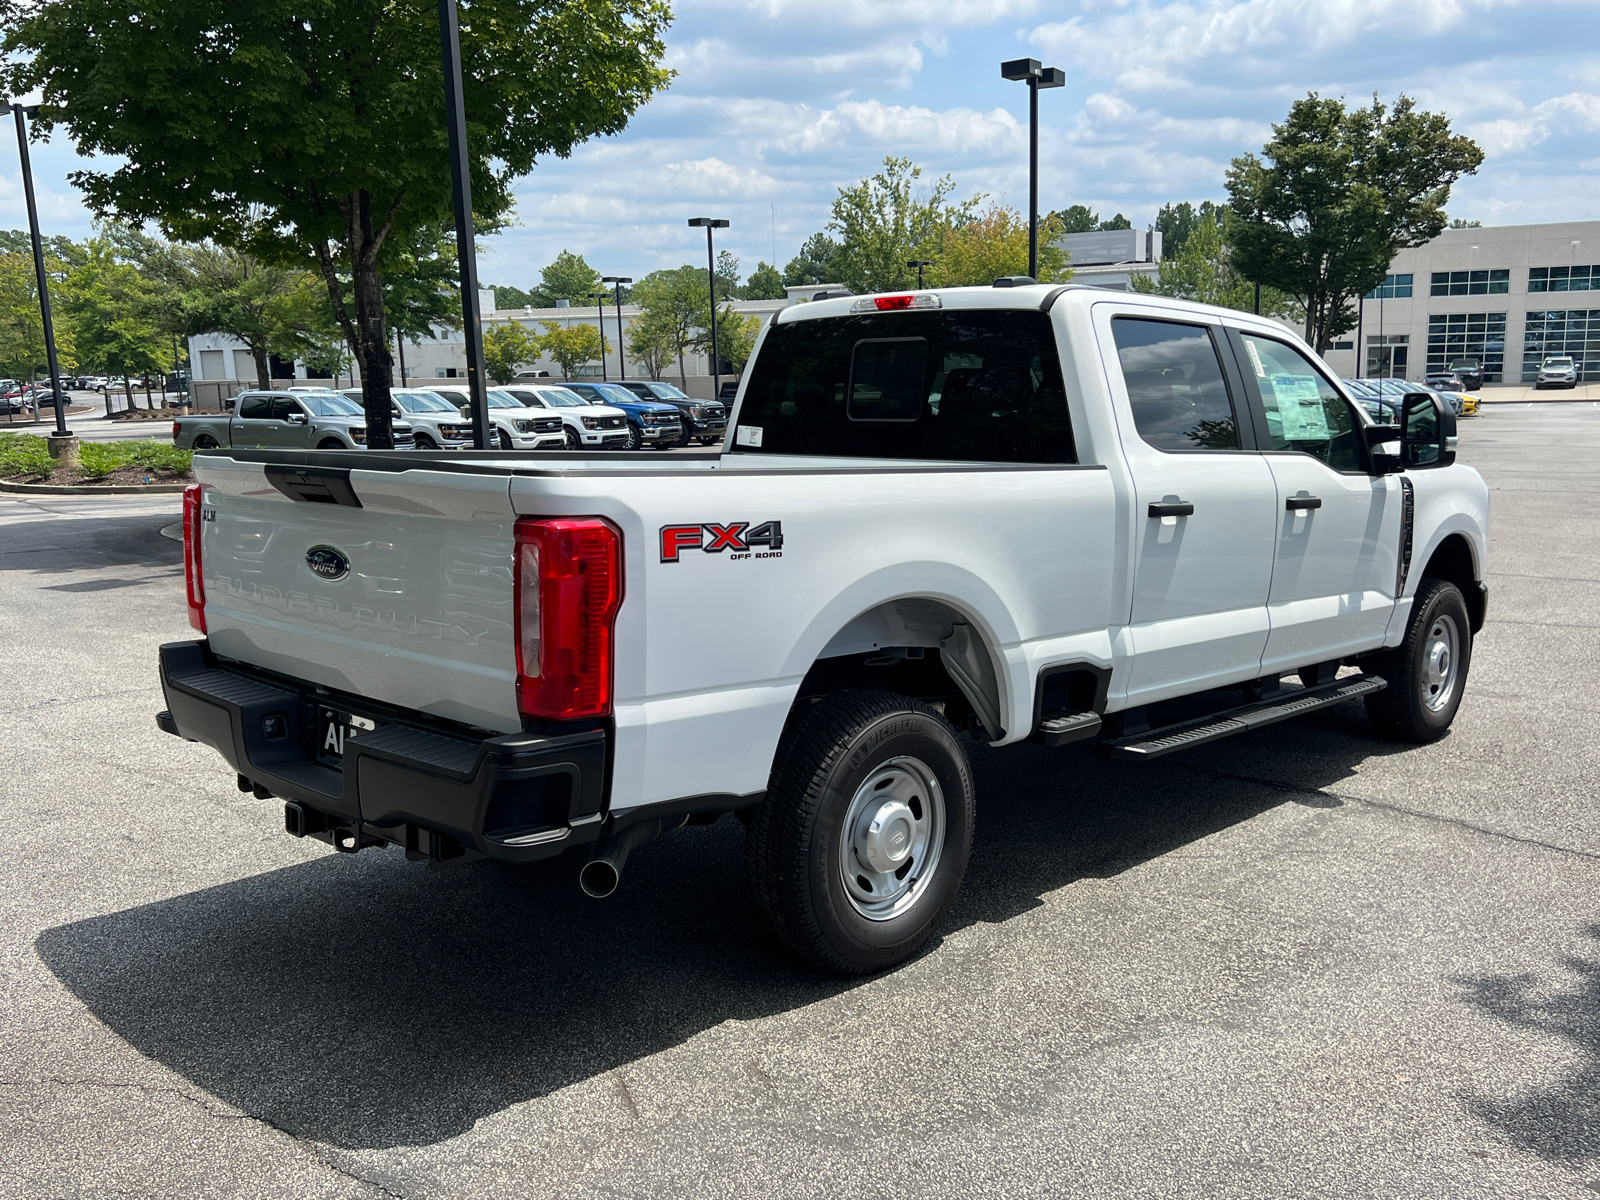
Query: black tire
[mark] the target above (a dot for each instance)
(685, 437)
(505, 441)
(205, 442)
(635, 438)
(331, 444)
(1409, 710)
(423, 442)
(574, 442)
(794, 847)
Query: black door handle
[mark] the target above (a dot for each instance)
(1302, 503)
(1171, 508)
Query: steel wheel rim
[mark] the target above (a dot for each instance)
(1441, 662)
(892, 839)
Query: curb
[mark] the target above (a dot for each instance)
(108, 489)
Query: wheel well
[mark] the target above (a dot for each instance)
(916, 647)
(1452, 561)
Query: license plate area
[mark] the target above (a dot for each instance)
(334, 729)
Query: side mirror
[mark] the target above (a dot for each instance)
(1427, 427)
(297, 418)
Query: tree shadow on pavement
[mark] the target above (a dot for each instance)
(1560, 1122)
(369, 1002)
(51, 547)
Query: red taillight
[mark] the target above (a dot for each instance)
(889, 303)
(568, 589)
(177, 428)
(193, 583)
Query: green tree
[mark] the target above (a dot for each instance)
(764, 284)
(262, 305)
(736, 337)
(1076, 218)
(1175, 222)
(1117, 222)
(882, 223)
(727, 275)
(651, 344)
(508, 346)
(572, 346)
(814, 263)
(993, 244)
(22, 349)
(115, 318)
(1203, 271)
(316, 135)
(569, 278)
(674, 306)
(1458, 223)
(510, 297)
(1340, 192)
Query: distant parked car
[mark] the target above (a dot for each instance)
(436, 424)
(1446, 381)
(1470, 372)
(650, 422)
(1559, 370)
(705, 420)
(585, 425)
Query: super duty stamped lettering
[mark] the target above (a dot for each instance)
(737, 540)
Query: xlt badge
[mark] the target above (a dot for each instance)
(736, 539)
(327, 563)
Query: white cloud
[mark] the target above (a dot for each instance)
(902, 129)
(713, 177)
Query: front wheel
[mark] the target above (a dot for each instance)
(858, 849)
(330, 444)
(635, 438)
(505, 441)
(423, 442)
(574, 442)
(1428, 670)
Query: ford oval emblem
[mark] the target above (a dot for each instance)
(327, 563)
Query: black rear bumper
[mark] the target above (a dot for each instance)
(440, 794)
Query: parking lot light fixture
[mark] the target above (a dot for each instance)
(919, 264)
(1028, 70)
(599, 299)
(57, 398)
(618, 281)
(708, 224)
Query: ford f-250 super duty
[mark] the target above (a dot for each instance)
(1019, 512)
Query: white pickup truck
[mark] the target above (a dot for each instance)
(1008, 513)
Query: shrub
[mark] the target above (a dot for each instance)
(99, 459)
(25, 454)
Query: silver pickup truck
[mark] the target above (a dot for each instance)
(284, 420)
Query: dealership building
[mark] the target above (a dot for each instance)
(1509, 296)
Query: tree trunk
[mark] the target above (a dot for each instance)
(127, 386)
(263, 369)
(372, 337)
(683, 379)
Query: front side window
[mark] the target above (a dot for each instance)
(963, 386)
(284, 407)
(1175, 385)
(1304, 411)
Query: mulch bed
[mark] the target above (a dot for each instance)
(71, 476)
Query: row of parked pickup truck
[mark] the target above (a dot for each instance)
(626, 415)
(1120, 523)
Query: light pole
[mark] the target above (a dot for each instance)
(708, 224)
(622, 362)
(599, 299)
(1029, 71)
(919, 263)
(466, 248)
(21, 112)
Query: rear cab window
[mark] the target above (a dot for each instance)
(969, 385)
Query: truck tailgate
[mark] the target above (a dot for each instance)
(393, 585)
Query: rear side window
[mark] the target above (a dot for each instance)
(968, 386)
(1175, 385)
(255, 408)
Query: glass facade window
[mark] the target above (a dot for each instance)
(1457, 337)
(1394, 287)
(1564, 279)
(1574, 331)
(1388, 355)
(1470, 283)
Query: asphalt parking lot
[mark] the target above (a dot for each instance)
(1300, 963)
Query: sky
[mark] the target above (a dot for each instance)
(778, 103)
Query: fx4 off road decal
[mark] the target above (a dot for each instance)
(737, 540)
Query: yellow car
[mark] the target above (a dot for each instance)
(1469, 404)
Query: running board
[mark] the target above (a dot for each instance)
(1064, 728)
(1155, 742)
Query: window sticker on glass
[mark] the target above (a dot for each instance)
(748, 435)
(1300, 409)
(1255, 359)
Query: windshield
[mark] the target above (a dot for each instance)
(611, 393)
(1558, 362)
(1359, 388)
(329, 404)
(667, 392)
(500, 399)
(422, 402)
(560, 397)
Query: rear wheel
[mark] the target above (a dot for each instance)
(1428, 670)
(858, 849)
(205, 442)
